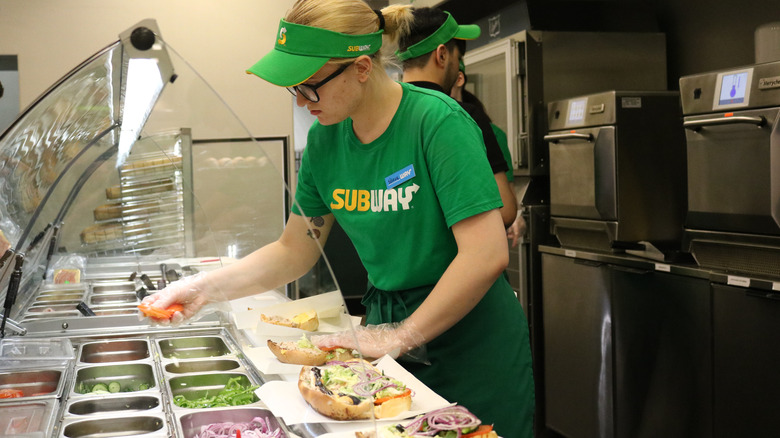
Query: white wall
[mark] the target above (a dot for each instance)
(219, 39)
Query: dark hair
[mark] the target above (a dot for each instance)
(426, 22)
(470, 98)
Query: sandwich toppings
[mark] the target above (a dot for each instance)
(259, 427)
(353, 390)
(304, 352)
(356, 380)
(454, 419)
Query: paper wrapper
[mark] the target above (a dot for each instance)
(329, 307)
(285, 400)
(265, 361)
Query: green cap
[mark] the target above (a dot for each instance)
(447, 31)
(300, 51)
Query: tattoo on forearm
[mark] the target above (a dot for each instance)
(317, 221)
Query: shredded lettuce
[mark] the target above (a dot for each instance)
(233, 394)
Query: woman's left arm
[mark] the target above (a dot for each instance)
(483, 254)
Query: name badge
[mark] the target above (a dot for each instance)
(400, 177)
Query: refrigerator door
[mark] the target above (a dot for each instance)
(493, 75)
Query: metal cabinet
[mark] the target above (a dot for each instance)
(746, 389)
(627, 351)
(663, 369)
(577, 347)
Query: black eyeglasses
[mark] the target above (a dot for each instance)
(310, 91)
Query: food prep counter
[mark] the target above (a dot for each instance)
(133, 384)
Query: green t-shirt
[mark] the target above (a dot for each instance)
(503, 143)
(398, 196)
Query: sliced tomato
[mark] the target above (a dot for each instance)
(156, 313)
(381, 400)
(11, 393)
(481, 430)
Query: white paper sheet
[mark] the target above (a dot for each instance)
(329, 306)
(267, 363)
(284, 399)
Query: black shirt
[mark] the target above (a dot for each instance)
(494, 155)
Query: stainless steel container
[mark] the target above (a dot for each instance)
(192, 423)
(130, 424)
(34, 384)
(28, 419)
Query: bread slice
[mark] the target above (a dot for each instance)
(337, 405)
(305, 320)
(331, 405)
(460, 422)
(393, 407)
(293, 352)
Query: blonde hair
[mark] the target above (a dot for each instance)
(355, 17)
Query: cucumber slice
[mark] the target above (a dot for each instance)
(100, 387)
(114, 387)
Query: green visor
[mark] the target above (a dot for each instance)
(300, 51)
(449, 30)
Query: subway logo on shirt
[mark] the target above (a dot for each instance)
(374, 200)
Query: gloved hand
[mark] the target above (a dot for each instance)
(398, 339)
(516, 230)
(196, 295)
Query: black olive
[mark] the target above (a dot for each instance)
(355, 400)
(318, 381)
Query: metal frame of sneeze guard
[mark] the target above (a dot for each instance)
(40, 169)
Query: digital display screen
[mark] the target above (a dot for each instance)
(576, 111)
(733, 89)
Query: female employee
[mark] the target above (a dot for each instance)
(421, 211)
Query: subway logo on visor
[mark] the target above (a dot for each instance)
(363, 48)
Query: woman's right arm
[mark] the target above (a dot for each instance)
(278, 263)
(274, 265)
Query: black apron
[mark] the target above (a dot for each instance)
(483, 362)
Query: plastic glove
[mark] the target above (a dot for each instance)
(398, 339)
(516, 230)
(194, 293)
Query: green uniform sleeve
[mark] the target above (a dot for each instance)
(462, 178)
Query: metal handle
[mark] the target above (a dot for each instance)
(555, 138)
(631, 270)
(84, 309)
(768, 295)
(15, 327)
(696, 125)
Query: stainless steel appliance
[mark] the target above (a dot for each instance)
(733, 146)
(515, 77)
(617, 171)
(628, 348)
